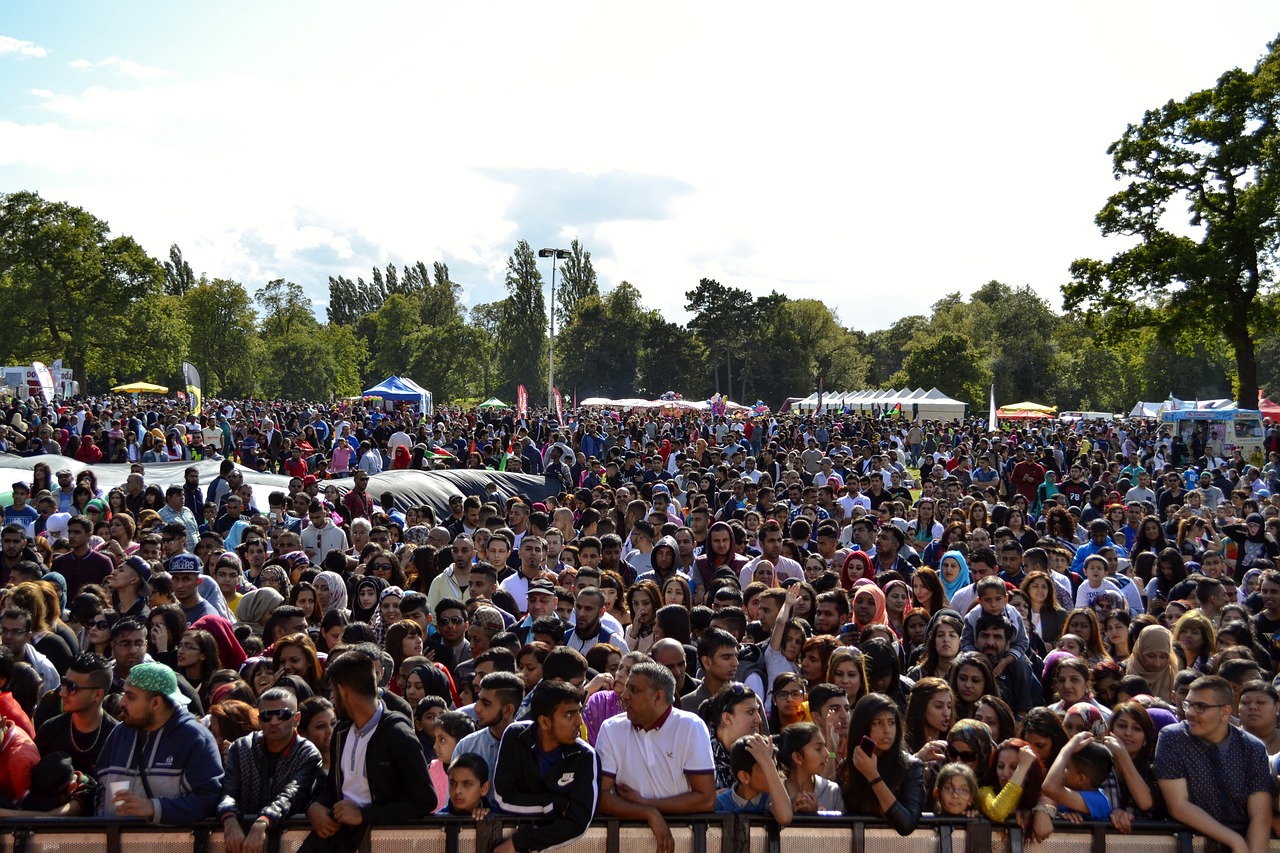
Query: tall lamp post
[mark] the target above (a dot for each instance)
(554, 255)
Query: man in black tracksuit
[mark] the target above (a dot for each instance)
(546, 772)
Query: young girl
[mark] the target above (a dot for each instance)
(786, 641)
(1015, 778)
(449, 728)
(803, 753)
(956, 791)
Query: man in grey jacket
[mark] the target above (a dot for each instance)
(270, 775)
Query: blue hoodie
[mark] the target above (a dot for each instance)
(183, 769)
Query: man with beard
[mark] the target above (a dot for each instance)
(160, 764)
(378, 775)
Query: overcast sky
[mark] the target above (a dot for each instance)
(874, 156)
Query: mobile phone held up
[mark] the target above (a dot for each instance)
(867, 745)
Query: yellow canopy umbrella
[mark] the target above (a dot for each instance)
(140, 388)
(1030, 407)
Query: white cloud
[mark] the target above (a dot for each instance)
(9, 44)
(124, 67)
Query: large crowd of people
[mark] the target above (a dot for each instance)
(771, 614)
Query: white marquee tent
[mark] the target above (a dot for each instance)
(918, 404)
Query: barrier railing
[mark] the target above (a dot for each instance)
(693, 834)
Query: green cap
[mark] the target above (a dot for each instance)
(157, 678)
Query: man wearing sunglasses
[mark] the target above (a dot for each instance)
(82, 727)
(269, 775)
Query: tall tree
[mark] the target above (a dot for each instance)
(522, 332)
(486, 319)
(178, 277)
(285, 308)
(722, 317)
(577, 281)
(223, 343)
(67, 285)
(1218, 151)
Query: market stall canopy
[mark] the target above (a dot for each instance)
(493, 403)
(402, 390)
(1025, 410)
(408, 488)
(918, 404)
(1268, 408)
(140, 388)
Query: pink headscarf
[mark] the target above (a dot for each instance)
(868, 586)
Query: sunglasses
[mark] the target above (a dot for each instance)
(964, 755)
(280, 714)
(451, 620)
(100, 624)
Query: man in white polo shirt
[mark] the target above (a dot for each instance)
(656, 759)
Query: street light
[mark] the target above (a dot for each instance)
(554, 255)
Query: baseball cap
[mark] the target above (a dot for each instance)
(309, 480)
(140, 567)
(157, 678)
(541, 586)
(184, 563)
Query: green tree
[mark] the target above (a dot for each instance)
(577, 282)
(223, 342)
(69, 287)
(1216, 151)
(672, 359)
(604, 338)
(887, 348)
(286, 308)
(522, 331)
(949, 360)
(178, 277)
(722, 318)
(824, 349)
(485, 320)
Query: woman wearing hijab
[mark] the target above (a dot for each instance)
(857, 565)
(953, 570)
(256, 606)
(223, 632)
(1152, 658)
(331, 592)
(368, 591)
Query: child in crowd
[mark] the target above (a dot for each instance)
(1096, 581)
(449, 728)
(759, 788)
(1074, 780)
(468, 786)
(956, 791)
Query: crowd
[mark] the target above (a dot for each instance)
(775, 615)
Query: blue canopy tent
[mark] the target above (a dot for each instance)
(402, 390)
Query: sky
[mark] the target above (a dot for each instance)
(875, 157)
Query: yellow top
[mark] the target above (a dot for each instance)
(998, 807)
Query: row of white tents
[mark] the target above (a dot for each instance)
(918, 404)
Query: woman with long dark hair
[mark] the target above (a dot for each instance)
(1047, 615)
(941, 645)
(881, 778)
(971, 678)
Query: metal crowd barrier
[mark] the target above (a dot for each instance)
(709, 833)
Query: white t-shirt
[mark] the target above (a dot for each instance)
(656, 763)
